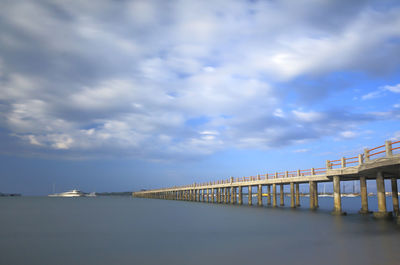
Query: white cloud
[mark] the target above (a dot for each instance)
(381, 91)
(371, 95)
(311, 116)
(279, 113)
(91, 85)
(348, 134)
(394, 89)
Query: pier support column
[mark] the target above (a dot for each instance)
(292, 198)
(228, 193)
(312, 195)
(203, 195)
(219, 195)
(234, 195)
(297, 194)
(259, 195)
(269, 195)
(380, 190)
(225, 195)
(274, 195)
(337, 200)
(364, 195)
(395, 197)
(316, 195)
(231, 195)
(240, 195)
(250, 201)
(212, 195)
(282, 196)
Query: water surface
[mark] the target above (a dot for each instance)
(124, 230)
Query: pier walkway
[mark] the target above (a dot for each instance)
(379, 163)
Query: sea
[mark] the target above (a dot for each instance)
(126, 230)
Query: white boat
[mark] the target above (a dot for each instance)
(349, 195)
(71, 193)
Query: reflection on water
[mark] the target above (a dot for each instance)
(123, 230)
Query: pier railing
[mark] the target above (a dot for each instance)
(386, 150)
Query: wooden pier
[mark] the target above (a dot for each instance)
(379, 163)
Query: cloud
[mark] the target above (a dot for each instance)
(381, 91)
(348, 134)
(394, 89)
(185, 78)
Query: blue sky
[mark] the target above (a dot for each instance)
(123, 95)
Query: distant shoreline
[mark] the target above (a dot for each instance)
(10, 194)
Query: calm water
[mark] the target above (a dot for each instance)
(124, 230)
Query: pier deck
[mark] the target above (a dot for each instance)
(379, 163)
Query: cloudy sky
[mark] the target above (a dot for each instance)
(123, 95)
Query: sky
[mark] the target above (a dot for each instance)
(125, 95)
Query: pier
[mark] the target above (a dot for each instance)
(378, 163)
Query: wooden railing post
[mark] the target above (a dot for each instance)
(298, 172)
(366, 155)
(312, 171)
(343, 160)
(286, 174)
(388, 148)
(360, 159)
(328, 164)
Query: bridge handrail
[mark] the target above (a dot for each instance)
(343, 162)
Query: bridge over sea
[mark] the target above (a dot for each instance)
(378, 163)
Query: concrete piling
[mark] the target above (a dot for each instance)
(364, 195)
(234, 195)
(274, 195)
(282, 195)
(316, 205)
(380, 190)
(250, 201)
(259, 195)
(312, 195)
(269, 195)
(240, 196)
(292, 196)
(297, 195)
(395, 197)
(337, 200)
